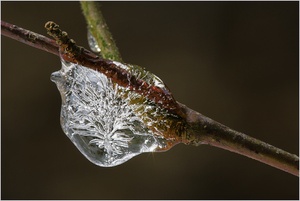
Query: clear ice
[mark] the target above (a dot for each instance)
(93, 43)
(102, 119)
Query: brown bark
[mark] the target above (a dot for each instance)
(29, 38)
(199, 129)
(203, 130)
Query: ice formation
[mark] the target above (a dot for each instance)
(102, 119)
(93, 43)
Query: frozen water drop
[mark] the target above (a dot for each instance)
(103, 120)
(93, 43)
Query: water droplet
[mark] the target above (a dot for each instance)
(93, 43)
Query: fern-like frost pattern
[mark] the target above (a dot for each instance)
(99, 118)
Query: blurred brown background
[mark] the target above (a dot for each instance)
(236, 62)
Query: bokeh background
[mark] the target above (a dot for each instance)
(235, 62)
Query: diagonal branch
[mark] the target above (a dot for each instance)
(69, 51)
(29, 38)
(75, 54)
(203, 130)
(199, 129)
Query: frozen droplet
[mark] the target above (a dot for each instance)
(93, 43)
(106, 122)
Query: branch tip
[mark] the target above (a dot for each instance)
(67, 45)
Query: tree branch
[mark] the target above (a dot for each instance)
(29, 38)
(197, 130)
(99, 30)
(71, 52)
(203, 130)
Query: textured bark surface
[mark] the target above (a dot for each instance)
(203, 130)
(29, 38)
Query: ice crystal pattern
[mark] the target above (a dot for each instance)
(98, 119)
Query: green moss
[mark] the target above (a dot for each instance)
(100, 31)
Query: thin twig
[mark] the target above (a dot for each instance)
(203, 130)
(99, 29)
(29, 38)
(198, 128)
